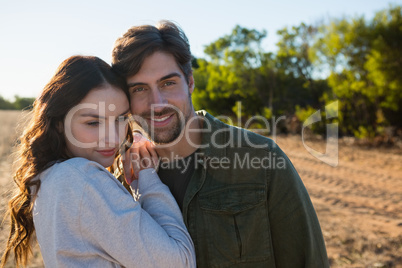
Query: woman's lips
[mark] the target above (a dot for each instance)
(107, 152)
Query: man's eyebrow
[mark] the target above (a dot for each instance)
(135, 84)
(174, 74)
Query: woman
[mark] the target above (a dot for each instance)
(83, 216)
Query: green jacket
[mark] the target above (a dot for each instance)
(247, 206)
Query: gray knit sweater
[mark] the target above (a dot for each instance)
(85, 218)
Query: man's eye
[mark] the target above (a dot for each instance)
(138, 89)
(122, 118)
(169, 83)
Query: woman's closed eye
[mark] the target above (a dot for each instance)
(93, 123)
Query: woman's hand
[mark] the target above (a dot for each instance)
(141, 155)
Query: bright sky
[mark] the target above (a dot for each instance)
(36, 36)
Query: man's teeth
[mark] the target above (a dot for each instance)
(160, 119)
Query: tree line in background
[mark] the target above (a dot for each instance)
(18, 104)
(353, 60)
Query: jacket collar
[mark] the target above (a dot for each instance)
(215, 136)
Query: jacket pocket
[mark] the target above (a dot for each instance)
(236, 224)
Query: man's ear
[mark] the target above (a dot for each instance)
(191, 83)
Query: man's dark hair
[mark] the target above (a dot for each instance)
(139, 42)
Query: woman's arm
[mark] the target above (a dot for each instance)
(148, 233)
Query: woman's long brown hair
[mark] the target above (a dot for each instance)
(42, 144)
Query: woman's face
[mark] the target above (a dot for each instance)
(96, 127)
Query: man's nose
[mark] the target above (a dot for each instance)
(158, 100)
(158, 97)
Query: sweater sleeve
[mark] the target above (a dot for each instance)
(148, 233)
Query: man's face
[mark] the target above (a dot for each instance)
(160, 97)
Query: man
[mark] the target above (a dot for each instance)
(241, 198)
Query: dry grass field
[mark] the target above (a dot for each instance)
(11, 125)
(359, 202)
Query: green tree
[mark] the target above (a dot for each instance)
(364, 58)
(239, 70)
(294, 60)
(384, 63)
(5, 104)
(207, 97)
(21, 103)
(18, 104)
(293, 50)
(233, 73)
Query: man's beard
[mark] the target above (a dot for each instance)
(164, 135)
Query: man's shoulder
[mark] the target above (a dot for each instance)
(219, 132)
